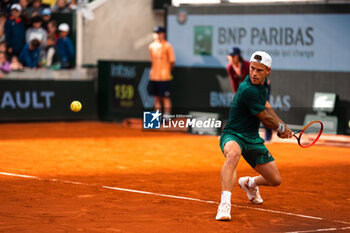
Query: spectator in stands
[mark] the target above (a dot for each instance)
(30, 3)
(61, 7)
(73, 5)
(3, 49)
(36, 8)
(24, 4)
(50, 55)
(5, 66)
(65, 46)
(36, 32)
(5, 5)
(15, 31)
(30, 54)
(16, 65)
(52, 29)
(3, 18)
(26, 18)
(46, 17)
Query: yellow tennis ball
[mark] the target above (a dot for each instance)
(75, 106)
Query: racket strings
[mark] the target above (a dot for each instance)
(310, 134)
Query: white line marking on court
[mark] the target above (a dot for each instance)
(320, 230)
(159, 194)
(176, 197)
(279, 212)
(212, 202)
(23, 176)
(71, 182)
(341, 222)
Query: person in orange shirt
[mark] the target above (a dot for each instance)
(163, 59)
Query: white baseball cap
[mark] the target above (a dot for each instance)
(261, 57)
(63, 27)
(16, 7)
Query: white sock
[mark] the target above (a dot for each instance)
(251, 182)
(226, 197)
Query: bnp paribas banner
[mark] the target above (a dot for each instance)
(310, 42)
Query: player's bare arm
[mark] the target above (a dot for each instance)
(270, 119)
(272, 112)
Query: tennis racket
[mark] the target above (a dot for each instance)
(309, 135)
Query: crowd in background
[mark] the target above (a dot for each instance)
(31, 39)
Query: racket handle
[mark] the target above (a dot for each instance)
(278, 134)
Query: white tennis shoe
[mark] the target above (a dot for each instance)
(224, 212)
(252, 193)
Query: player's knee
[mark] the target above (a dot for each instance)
(232, 157)
(276, 181)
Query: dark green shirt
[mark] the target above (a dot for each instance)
(249, 100)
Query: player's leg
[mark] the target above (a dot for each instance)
(262, 161)
(167, 105)
(157, 103)
(153, 90)
(165, 93)
(269, 174)
(232, 152)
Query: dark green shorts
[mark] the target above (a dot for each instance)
(254, 154)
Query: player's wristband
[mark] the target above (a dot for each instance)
(281, 128)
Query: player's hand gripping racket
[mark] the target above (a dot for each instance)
(309, 135)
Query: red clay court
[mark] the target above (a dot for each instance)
(103, 177)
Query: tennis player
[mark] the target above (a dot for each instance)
(241, 136)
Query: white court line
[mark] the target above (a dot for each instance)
(212, 202)
(172, 196)
(321, 230)
(23, 176)
(279, 212)
(159, 194)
